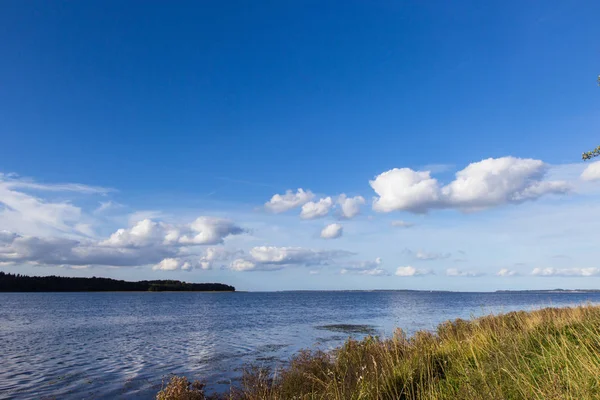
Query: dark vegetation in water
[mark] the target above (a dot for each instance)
(552, 353)
(350, 328)
(22, 283)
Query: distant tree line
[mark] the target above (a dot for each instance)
(22, 283)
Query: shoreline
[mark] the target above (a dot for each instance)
(545, 353)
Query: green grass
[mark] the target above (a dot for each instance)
(552, 353)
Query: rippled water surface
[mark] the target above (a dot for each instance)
(122, 345)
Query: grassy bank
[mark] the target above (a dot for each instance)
(545, 354)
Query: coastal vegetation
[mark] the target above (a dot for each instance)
(23, 283)
(588, 155)
(553, 353)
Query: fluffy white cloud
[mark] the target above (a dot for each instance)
(565, 272)
(412, 271)
(405, 189)
(205, 230)
(498, 181)
(371, 268)
(505, 272)
(145, 243)
(294, 255)
(350, 206)
(402, 224)
(484, 184)
(332, 231)
(240, 264)
(173, 264)
(267, 258)
(592, 172)
(283, 202)
(202, 231)
(60, 251)
(458, 272)
(143, 233)
(319, 209)
(212, 255)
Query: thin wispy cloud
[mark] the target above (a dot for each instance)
(455, 272)
(505, 272)
(402, 224)
(426, 255)
(566, 272)
(412, 271)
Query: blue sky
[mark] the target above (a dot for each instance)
(146, 118)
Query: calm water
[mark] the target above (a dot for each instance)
(117, 345)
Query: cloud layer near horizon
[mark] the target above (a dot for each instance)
(42, 228)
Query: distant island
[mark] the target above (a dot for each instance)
(22, 283)
(543, 291)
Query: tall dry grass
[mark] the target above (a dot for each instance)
(552, 353)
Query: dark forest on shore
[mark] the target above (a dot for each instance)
(23, 283)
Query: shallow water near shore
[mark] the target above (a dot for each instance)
(122, 345)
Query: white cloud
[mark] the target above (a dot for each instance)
(240, 264)
(107, 205)
(374, 272)
(412, 271)
(370, 272)
(565, 272)
(147, 242)
(405, 189)
(498, 181)
(505, 272)
(143, 233)
(423, 255)
(371, 268)
(312, 210)
(484, 184)
(283, 202)
(138, 216)
(27, 214)
(294, 255)
(85, 229)
(332, 231)
(592, 172)
(426, 256)
(212, 255)
(350, 206)
(402, 224)
(458, 272)
(172, 264)
(60, 251)
(202, 231)
(206, 230)
(268, 258)
(13, 181)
